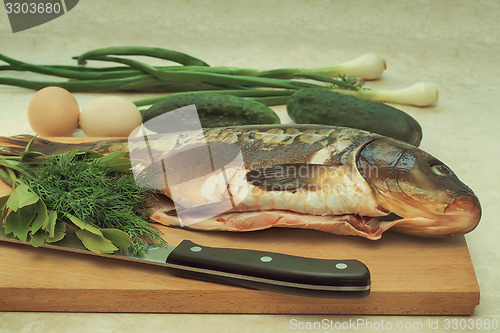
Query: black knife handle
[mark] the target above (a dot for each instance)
(272, 271)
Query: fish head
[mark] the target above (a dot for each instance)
(424, 192)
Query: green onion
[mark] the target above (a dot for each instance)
(368, 67)
(194, 75)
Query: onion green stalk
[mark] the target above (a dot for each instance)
(251, 93)
(155, 52)
(138, 83)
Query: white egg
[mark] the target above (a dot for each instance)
(53, 111)
(110, 116)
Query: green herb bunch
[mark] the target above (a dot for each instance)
(93, 195)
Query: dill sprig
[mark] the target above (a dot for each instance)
(89, 189)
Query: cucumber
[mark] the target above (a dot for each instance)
(214, 110)
(326, 107)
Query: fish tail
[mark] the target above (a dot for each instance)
(15, 145)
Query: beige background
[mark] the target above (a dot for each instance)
(451, 43)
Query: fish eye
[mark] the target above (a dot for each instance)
(441, 170)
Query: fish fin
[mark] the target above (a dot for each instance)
(20, 142)
(10, 151)
(39, 145)
(287, 177)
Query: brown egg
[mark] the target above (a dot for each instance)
(110, 116)
(53, 111)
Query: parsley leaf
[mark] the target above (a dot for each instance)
(18, 222)
(95, 243)
(20, 197)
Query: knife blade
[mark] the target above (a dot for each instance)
(254, 269)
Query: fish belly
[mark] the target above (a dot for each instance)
(366, 227)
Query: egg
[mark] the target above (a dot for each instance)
(53, 111)
(110, 116)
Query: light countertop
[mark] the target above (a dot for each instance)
(453, 44)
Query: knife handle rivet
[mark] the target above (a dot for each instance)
(266, 259)
(196, 249)
(341, 265)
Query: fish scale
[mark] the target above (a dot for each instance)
(261, 148)
(345, 198)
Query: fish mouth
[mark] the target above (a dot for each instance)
(467, 210)
(463, 203)
(460, 216)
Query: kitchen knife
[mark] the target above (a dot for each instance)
(246, 268)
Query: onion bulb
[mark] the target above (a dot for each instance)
(419, 94)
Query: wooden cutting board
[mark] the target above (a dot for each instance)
(410, 276)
